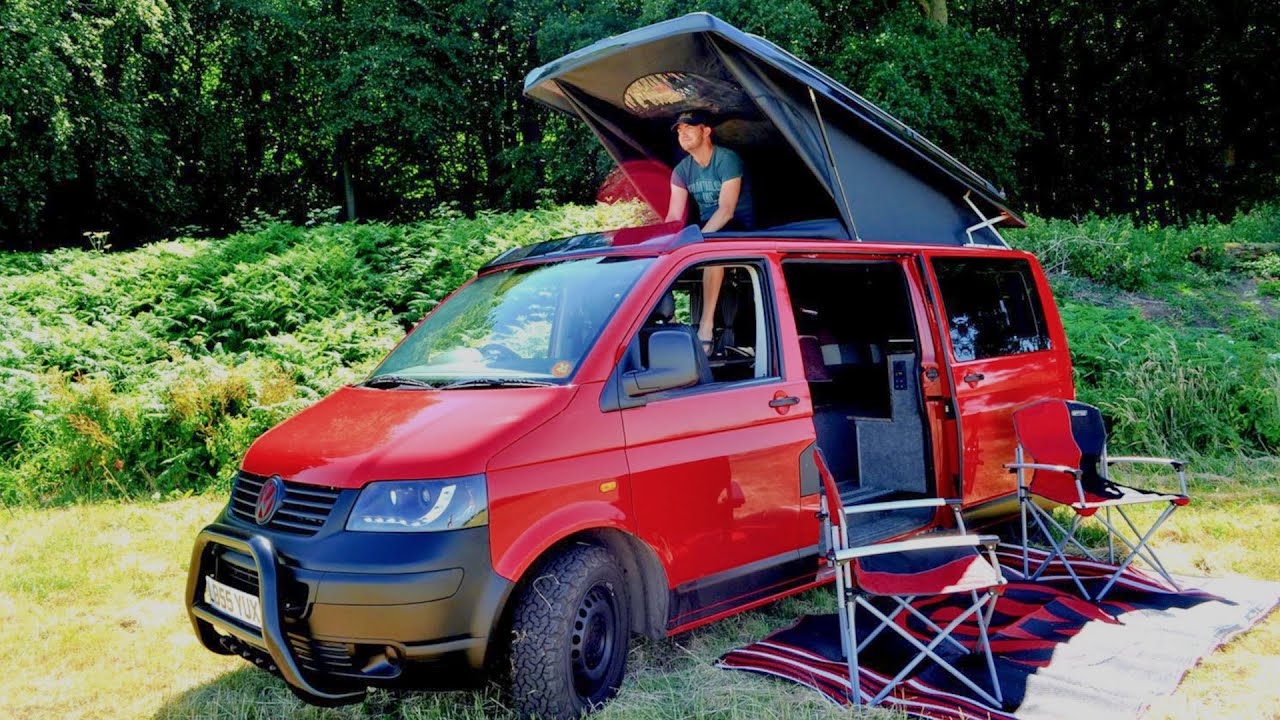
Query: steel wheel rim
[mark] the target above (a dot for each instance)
(594, 637)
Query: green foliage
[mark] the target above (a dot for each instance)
(1164, 335)
(82, 115)
(956, 86)
(151, 371)
(135, 117)
(1267, 266)
(1175, 390)
(1124, 254)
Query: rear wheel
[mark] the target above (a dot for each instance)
(569, 635)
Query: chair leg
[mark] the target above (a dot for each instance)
(905, 604)
(1023, 499)
(1137, 550)
(1058, 552)
(984, 620)
(927, 651)
(846, 632)
(848, 637)
(1068, 534)
(1076, 522)
(850, 608)
(1150, 555)
(1111, 546)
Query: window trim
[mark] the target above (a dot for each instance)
(613, 398)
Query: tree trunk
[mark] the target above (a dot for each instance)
(348, 188)
(934, 10)
(343, 145)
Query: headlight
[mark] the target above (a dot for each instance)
(421, 505)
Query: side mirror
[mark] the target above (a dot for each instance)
(673, 363)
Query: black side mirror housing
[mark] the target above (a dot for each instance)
(673, 363)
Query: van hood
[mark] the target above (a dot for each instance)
(358, 435)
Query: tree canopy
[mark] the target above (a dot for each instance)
(146, 117)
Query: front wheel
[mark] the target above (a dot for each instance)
(569, 635)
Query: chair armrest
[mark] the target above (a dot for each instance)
(1179, 466)
(922, 543)
(1134, 460)
(1041, 466)
(900, 505)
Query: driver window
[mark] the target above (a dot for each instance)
(723, 306)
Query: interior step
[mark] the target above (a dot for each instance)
(859, 495)
(867, 528)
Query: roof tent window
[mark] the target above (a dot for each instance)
(667, 94)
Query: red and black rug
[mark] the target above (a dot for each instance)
(1057, 654)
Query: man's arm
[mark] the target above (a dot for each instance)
(729, 192)
(679, 203)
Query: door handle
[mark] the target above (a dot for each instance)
(975, 377)
(784, 401)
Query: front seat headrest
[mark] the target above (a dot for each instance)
(666, 309)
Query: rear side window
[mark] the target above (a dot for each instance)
(992, 306)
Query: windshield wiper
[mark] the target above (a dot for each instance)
(495, 383)
(396, 381)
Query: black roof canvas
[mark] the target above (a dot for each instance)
(812, 148)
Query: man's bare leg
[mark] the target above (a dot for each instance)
(712, 277)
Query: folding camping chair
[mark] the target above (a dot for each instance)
(945, 563)
(1067, 442)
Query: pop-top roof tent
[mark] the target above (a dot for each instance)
(812, 148)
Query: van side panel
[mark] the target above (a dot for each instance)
(568, 474)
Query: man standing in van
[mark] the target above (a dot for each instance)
(714, 177)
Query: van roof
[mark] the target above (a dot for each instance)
(663, 238)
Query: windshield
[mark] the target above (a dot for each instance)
(532, 323)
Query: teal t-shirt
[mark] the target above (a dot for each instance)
(703, 184)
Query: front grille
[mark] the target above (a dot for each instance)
(303, 512)
(238, 577)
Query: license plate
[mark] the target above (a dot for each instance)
(238, 604)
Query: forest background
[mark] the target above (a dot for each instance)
(146, 118)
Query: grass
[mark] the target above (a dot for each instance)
(91, 596)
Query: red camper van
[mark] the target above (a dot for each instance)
(551, 462)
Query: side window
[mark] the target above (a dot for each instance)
(726, 309)
(992, 307)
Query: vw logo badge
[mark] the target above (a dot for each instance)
(269, 500)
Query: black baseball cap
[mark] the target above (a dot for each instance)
(692, 117)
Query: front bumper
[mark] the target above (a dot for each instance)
(331, 630)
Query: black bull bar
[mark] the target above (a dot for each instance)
(271, 637)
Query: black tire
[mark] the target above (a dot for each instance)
(569, 635)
